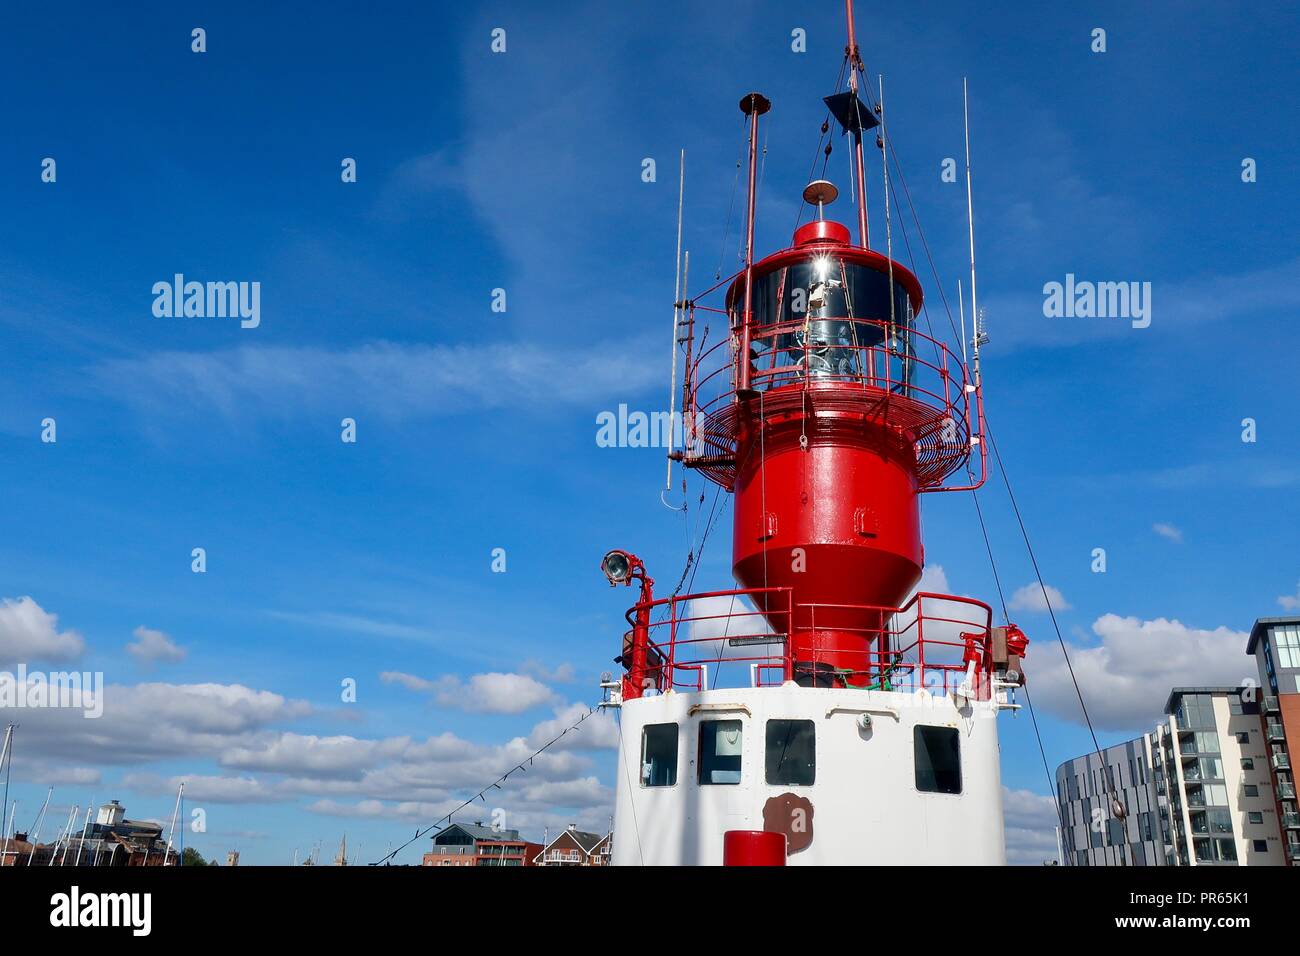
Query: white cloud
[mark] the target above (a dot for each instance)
(409, 681)
(1168, 532)
(934, 580)
(491, 693)
(208, 789)
(159, 721)
(1031, 821)
(151, 647)
(1126, 679)
(1030, 598)
(597, 732)
(30, 633)
(584, 792)
(560, 674)
(340, 756)
(1291, 601)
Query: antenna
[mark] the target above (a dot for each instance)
(677, 306)
(976, 323)
(961, 311)
(889, 237)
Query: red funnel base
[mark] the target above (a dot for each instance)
(837, 608)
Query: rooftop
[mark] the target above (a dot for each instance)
(1264, 622)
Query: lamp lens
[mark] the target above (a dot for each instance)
(615, 565)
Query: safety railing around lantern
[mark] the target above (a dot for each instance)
(928, 642)
(898, 374)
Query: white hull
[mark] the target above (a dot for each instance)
(865, 802)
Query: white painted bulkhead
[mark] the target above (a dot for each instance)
(866, 805)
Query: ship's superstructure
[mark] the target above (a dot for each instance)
(863, 723)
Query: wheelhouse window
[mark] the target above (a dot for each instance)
(791, 753)
(659, 755)
(938, 759)
(720, 752)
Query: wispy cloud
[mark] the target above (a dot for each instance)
(389, 380)
(1168, 532)
(1017, 319)
(1291, 601)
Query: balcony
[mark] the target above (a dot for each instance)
(1281, 762)
(1275, 732)
(1291, 821)
(562, 858)
(1293, 851)
(1270, 705)
(1286, 791)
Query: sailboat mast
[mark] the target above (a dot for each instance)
(171, 832)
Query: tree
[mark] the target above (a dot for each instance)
(192, 857)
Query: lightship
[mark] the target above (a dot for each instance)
(865, 726)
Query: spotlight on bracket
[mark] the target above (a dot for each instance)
(617, 567)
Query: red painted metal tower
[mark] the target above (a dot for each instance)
(811, 394)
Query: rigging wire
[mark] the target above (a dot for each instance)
(902, 179)
(521, 767)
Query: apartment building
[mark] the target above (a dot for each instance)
(1195, 791)
(1275, 645)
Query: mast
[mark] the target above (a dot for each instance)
(753, 105)
(40, 821)
(6, 761)
(81, 844)
(855, 64)
(976, 325)
(171, 834)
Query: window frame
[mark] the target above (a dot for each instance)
(699, 753)
(677, 755)
(918, 730)
(767, 752)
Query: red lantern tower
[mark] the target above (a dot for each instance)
(827, 413)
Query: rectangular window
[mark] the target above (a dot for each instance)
(938, 759)
(791, 753)
(1247, 763)
(720, 748)
(1243, 737)
(1220, 821)
(1261, 846)
(659, 755)
(1287, 641)
(1251, 790)
(1254, 816)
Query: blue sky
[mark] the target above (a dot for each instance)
(476, 429)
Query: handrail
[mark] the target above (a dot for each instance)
(915, 643)
(903, 377)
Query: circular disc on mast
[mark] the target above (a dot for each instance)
(820, 192)
(755, 103)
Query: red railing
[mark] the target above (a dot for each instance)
(925, 643)
(907, 378)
